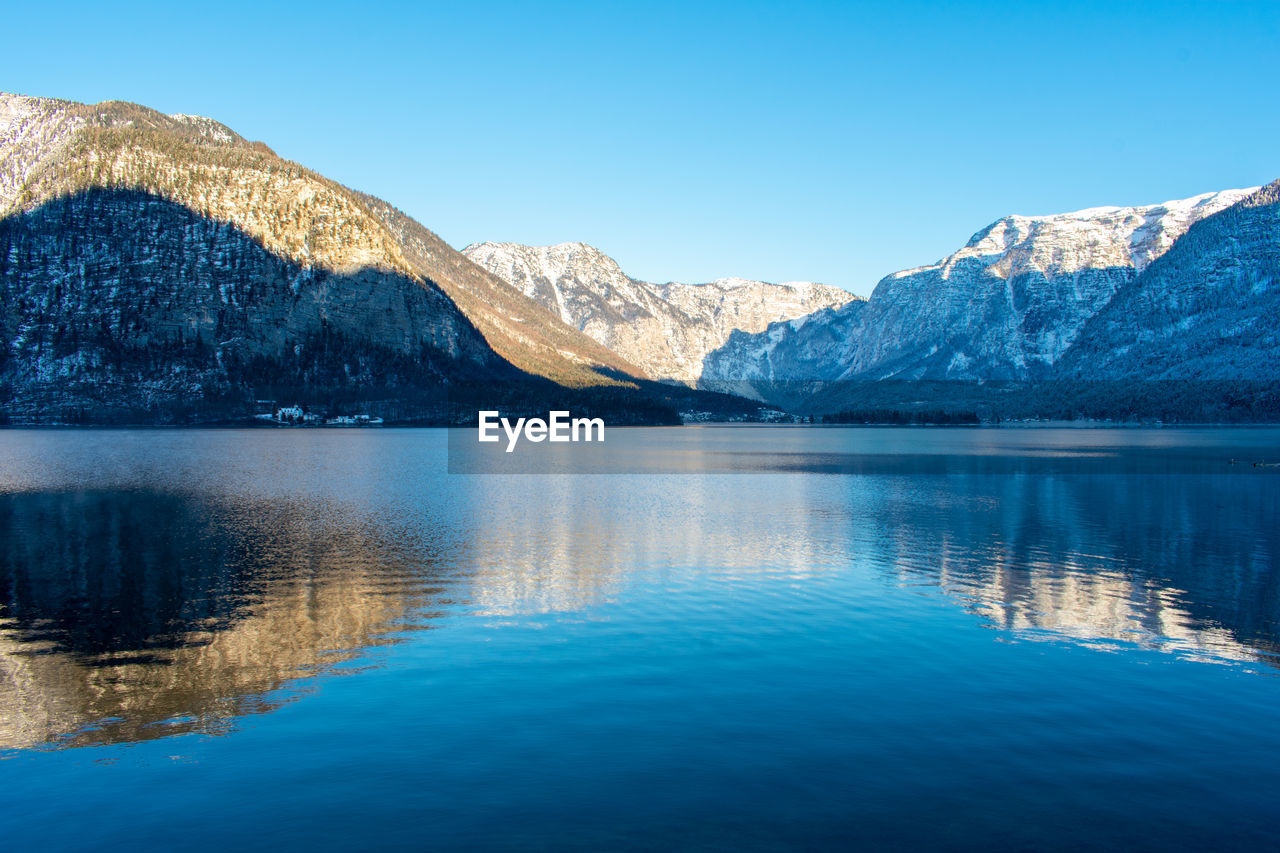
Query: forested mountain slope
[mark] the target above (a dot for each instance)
(159, 267)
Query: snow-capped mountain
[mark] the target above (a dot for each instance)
(1007, 305)
(1010, 303)
(1207, 309)
(159, 267)
(665, 329)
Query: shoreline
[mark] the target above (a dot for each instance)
(1080, 425)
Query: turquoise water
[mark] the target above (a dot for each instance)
(820, 638)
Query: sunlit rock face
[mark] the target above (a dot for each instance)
(665, 329)
(130, 615)
(157, 267)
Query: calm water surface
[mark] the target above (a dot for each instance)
(810, 638)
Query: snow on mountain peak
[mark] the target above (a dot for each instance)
(667, 329)
(208, 128)
(1007, 305)
(1084, 239)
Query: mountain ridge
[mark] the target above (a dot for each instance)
(665, 328)
(298, 239)
(1205, 309)
(151, 261)
(1006, 306)
(121, 145)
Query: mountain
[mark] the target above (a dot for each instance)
(1061, 313)
(1207, 309)
(1006, 306)
(667, 330)
(162, 268)
(157, 267)
(1010, 303)
(786, 362)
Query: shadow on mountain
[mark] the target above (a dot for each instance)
(119, 306)
(1205, 309)
(129, 615)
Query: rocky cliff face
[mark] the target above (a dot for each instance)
(1007, 306)
(1205, 310)
(155, 265)
(783, 363)
(665, 329)
(1010, 303)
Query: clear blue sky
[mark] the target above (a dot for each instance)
(828, 141)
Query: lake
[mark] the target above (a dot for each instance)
(717, 638)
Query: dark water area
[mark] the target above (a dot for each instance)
(723, 638)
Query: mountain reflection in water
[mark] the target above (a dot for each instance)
(161, 583)
(134, 614)
(1186, 565)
